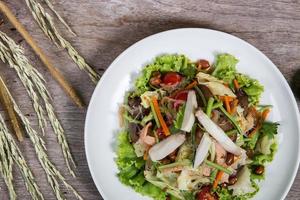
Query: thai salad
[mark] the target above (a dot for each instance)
(195, 131)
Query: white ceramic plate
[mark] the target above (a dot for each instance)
(101, 126)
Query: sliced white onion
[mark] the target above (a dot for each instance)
(217, 88)
(189, 116)
(216, 132)
(167, 146)
(202, 150)
(203, 77)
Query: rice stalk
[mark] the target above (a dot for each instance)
(50, 5)
(34, 83)
(52, 173)
(6, 163)
(8, 145)
(46, 23)
(6, 55)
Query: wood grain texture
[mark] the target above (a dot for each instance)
(107, 27)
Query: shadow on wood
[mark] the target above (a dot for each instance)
(295, 84)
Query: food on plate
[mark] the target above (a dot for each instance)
(195, 130)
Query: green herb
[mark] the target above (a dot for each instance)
(213, 175)
(217, 105)
(200, 93)
(193, 135)
(175, 164)
(233, 121)
(269, 129)
(231, 132)
(179, 117)
(261, 108)
(219, 167)
(187, 195)
(209, 106)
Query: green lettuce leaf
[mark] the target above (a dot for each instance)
(165, 63)
(226, 194)
(131, 169)
(267, 131)
(261, 159)
(225, 67)
(251, 87)
(251, 142)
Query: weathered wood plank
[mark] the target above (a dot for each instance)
(106, 28)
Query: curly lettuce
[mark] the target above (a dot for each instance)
(266, 147)
(226, 194)
(165, 63)
(225, 67)
(131, 170)
(251, 87)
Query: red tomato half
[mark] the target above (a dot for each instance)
(205, 194)
(171, 78)
(182, 95)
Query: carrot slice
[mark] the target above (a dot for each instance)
(265, 114)
(236, 84)
(218, 179)
(222, 98)
(227, 105)
(160, 117)
(188, 87)
(146, 154)
(191, 85)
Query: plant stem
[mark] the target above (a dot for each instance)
(219, 167)
(209, 106)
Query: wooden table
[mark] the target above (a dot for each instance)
(106, 28)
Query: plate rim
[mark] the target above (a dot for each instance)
(128, 49)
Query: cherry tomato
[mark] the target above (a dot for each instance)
(171, 78)
(205, 194)
(182, 95)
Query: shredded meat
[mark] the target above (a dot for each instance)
(243, 100)
(206, 92)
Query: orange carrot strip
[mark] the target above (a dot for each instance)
(218, 179)
(145, 157)
(160, 117)
(236, 84)
(226, 101)
(188, 87)
(226, 84)
(263, 117)
(265, 114)
(222, 98)
(191, 85)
